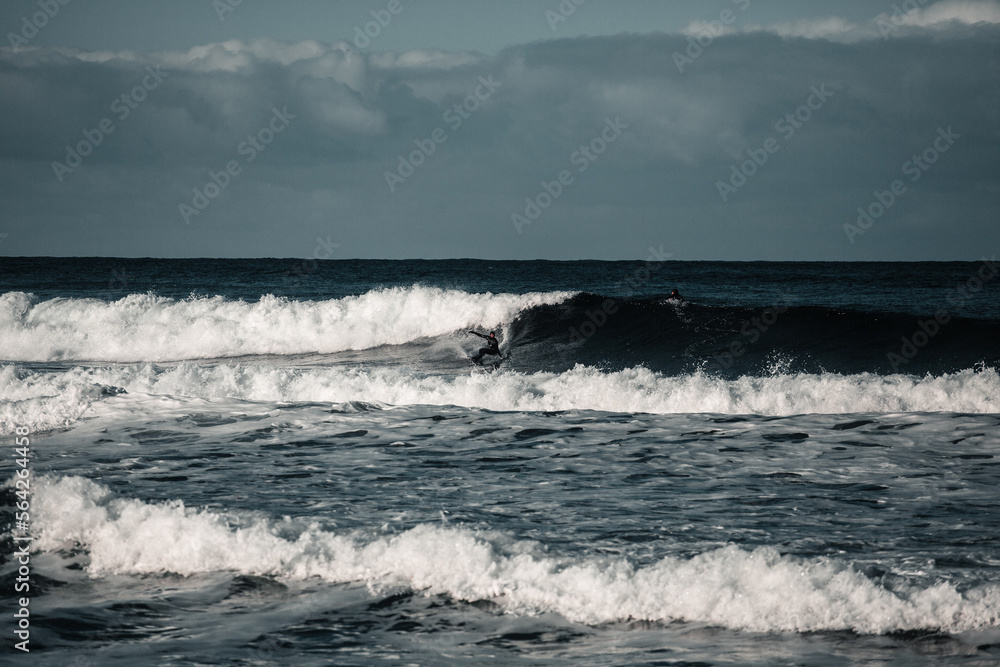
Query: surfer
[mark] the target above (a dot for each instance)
(676, 296)
(492, 346)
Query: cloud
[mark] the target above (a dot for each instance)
(921, 14)
(355, 115)
(959, 11)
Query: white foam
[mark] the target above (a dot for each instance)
(144, 327)
(43, 401)
(49, 399)
(757, 590)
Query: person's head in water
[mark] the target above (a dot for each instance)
(675, 295)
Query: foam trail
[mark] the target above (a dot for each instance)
(144, 327)
(43, 400)
(757, 590)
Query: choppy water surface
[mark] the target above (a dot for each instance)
(234, 478)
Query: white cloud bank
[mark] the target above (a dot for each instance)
(906, 15)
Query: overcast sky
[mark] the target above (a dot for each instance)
(717, 129)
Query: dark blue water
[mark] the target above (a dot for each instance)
(905, 287)
(285, 462)
(741, 318)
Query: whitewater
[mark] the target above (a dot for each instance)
(245, 471)
(145, 327)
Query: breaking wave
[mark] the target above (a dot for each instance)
(758, 590)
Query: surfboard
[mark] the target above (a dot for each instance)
(490, 365)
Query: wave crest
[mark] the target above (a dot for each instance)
(44, 400)
(759, 590)
(145, 327)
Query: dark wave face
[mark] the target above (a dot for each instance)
(741, 319)
(676, 338)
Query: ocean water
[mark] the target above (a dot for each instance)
(285, 462)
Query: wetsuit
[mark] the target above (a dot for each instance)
(492, 346)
